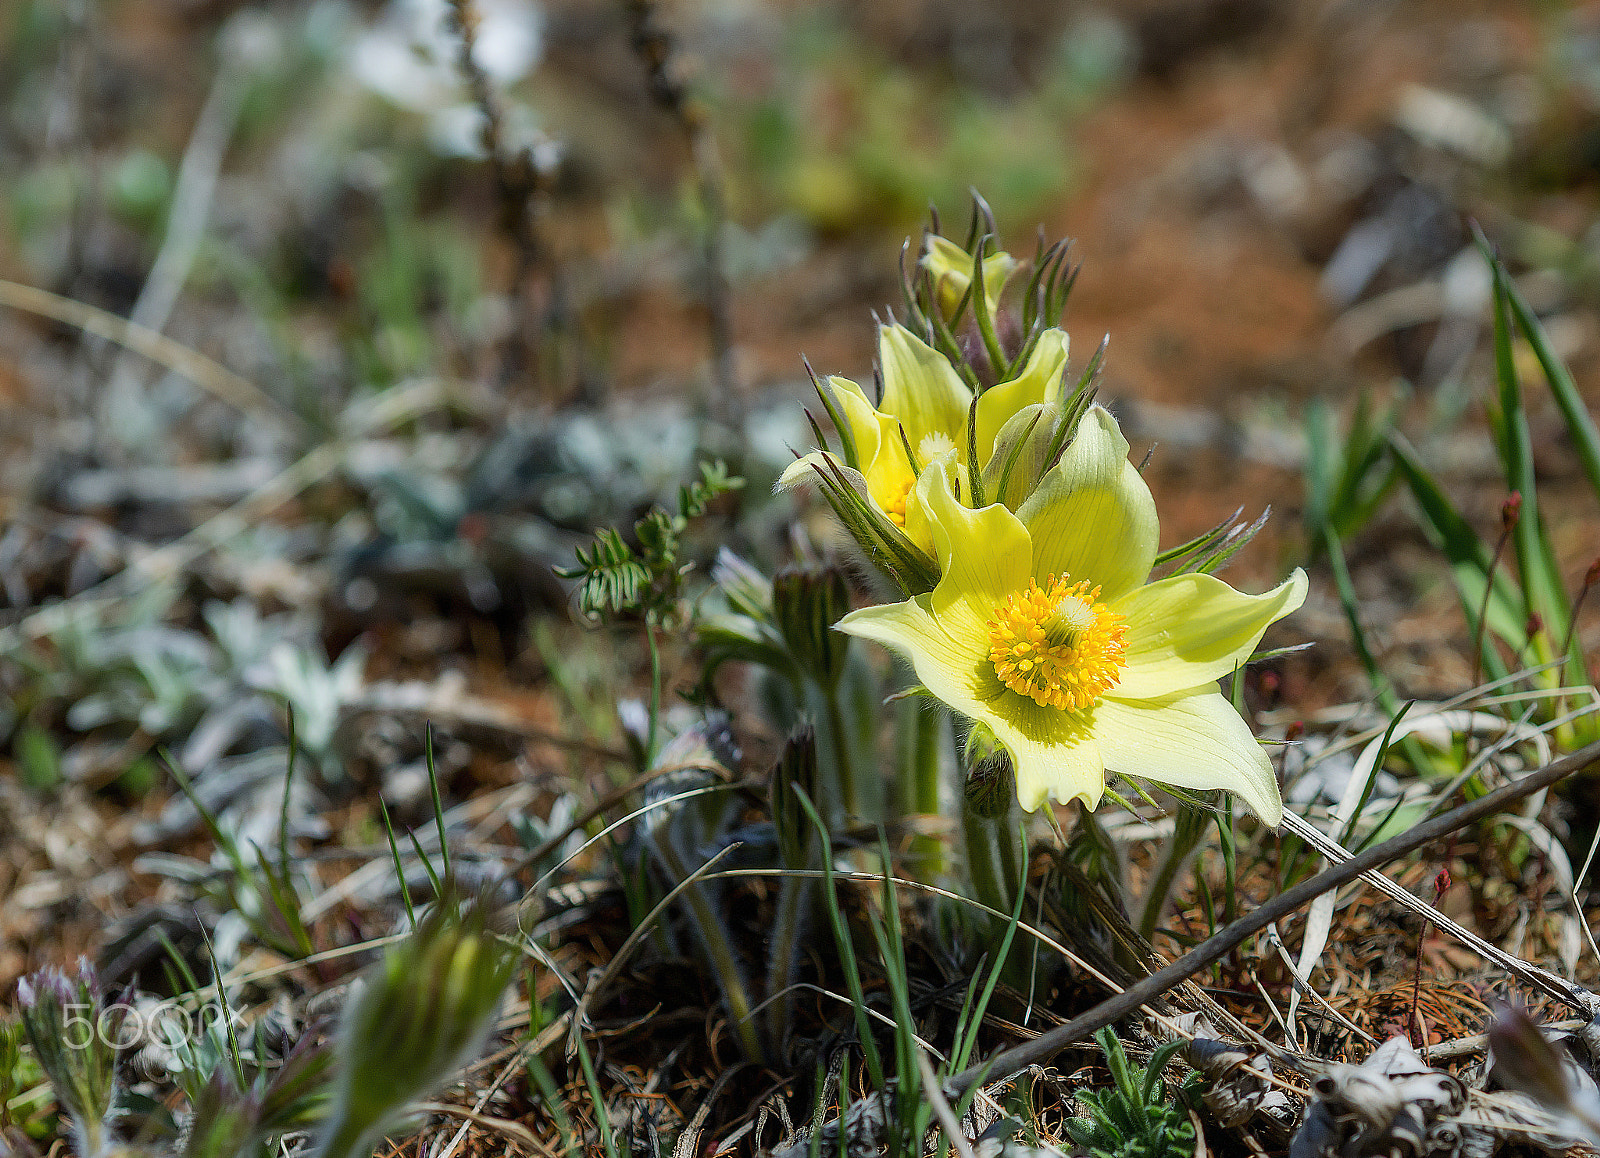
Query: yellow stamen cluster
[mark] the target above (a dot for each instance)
(1058, 645)
(894, 504)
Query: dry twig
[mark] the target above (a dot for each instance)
(1216, 947)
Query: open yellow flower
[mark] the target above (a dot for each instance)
(1043, 629)
(925, 398)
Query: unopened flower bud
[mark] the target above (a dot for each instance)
(796, 772)
(749, 592)
(11, 1036)
(1522, 1059)
(807, 601)
(1021, 454)
(991, 786)
(223, 1120)
(417, 1016)
(991, 783)
(1511, 511)
(74, 1040)
(951, 269)
(1441, 883)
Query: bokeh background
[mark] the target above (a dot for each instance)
(454, 362)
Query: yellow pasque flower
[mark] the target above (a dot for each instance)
(925, 397)
(951, 267)
(1044, 629)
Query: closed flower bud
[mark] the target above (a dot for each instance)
(796, 769)
(1021, 454)
(10, 1054)
(1524, 1060)
(223, 1119)
(74, 1040)
(951, 269)
(749, 592)
(416, 1017)
(991, 780)
(1511, 512)
(991, 786)
(807, 601)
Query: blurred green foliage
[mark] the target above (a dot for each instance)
(848, 137)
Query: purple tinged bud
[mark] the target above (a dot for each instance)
(1525, 1061)
(74, 1036)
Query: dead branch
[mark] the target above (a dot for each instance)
(1215, 948)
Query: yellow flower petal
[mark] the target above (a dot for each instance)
(884, 469)
(955, 670)
(918, 528)
(920, 387)
(889, 472)
(860, 415)
(1092, 516)
(1040, 381)
(1053, 753)
(1188, 630)
(1194, 740)
(983, 555)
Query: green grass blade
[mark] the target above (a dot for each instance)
(1580, 423)
(438, 807)
(399, 869)
(1372, 777)
(1469, 561)
(967, 1036)
(427, 865)
(1352, 612)
(1542, 588)
(847, 952)
(608, 1138)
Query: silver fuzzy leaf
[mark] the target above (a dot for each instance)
(1393, 1105)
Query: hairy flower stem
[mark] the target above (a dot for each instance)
(843, 760)
(990, 869)
(790, 923)
(918, 781)
(1013, 866)
(90, 1137)
(655, 697)
(719, 949)
(1189, 828)
(1224, 941)
(670, 90)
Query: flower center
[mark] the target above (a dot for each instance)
(933, 445)
(1059, 645)
(894, 503)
